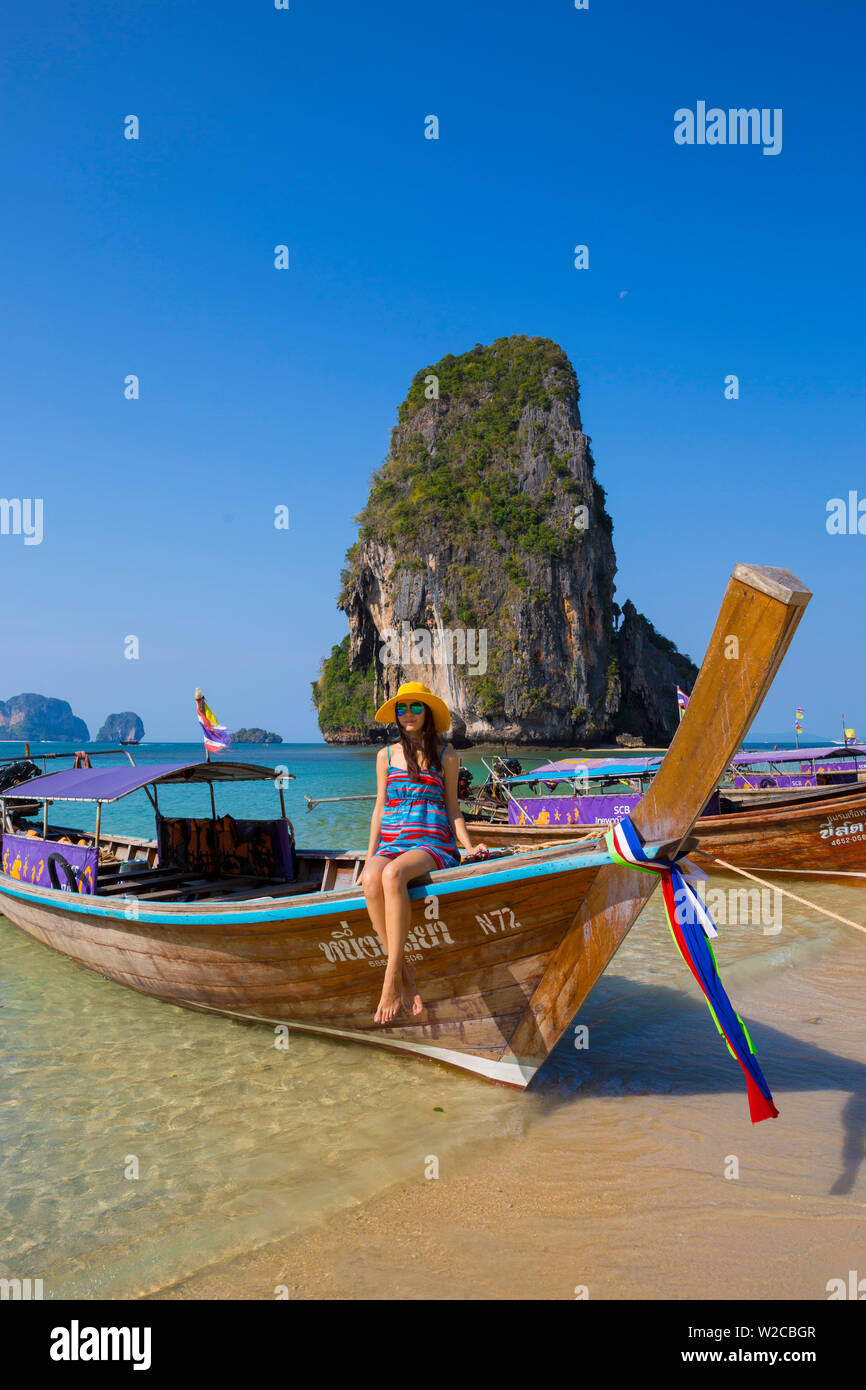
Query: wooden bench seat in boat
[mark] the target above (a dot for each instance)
(115, 879)
(196, 890)
(274, 890)
(340, 874)
(137, 884)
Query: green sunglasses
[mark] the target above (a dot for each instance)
(416, 707)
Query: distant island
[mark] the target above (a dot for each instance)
(41, 718)
(121, 728)
(255, 736)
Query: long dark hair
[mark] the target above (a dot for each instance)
(429, 744)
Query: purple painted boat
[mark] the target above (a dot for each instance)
(555, 811)
(601, 791)
(592, 791)
(800, 767)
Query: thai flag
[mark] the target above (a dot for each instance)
(682, 698)
(216, 737)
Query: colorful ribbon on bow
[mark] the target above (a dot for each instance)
(691, 927)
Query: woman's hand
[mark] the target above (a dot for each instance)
(480, 852)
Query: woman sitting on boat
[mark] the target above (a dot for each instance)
(415, 827)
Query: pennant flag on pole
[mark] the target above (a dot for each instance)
(216, 737)
(691, 927)
(798, 719)
(682, 698)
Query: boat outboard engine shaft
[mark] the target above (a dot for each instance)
(504, 768)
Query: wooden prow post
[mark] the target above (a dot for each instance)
(758, 617)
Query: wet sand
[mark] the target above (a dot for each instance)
(614, 1181)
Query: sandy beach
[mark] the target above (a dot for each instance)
(617, 1192)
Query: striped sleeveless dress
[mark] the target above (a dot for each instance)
(415, 817)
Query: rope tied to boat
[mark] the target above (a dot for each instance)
(775, 888)
(692, 928)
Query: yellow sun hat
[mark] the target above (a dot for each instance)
(414, 690)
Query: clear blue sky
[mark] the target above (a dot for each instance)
(261, 387)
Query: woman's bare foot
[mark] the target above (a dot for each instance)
(413, 1002)
(390, 1003)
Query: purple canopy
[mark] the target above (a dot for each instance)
(796, 755)
(582, 768)
(111, 783)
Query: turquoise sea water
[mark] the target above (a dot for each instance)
(140, 1143)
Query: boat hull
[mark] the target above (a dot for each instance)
(480, 940)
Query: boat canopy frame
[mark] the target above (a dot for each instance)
(108, 784)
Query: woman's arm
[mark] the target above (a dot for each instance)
(381, 783)
(450, 769)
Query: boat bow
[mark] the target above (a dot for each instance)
(759, 615)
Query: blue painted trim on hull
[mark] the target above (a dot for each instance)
(327, 907)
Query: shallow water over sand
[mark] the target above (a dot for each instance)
(239, 1144)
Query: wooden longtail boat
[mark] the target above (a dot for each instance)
(505, 950)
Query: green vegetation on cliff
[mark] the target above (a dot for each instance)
(469, 481)
(343, 699)
(509, 373)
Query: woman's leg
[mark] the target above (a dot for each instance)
(398, 914)
(371, 881)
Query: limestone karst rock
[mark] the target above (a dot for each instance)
(485, 567)
(40, 717)
(125, 727)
